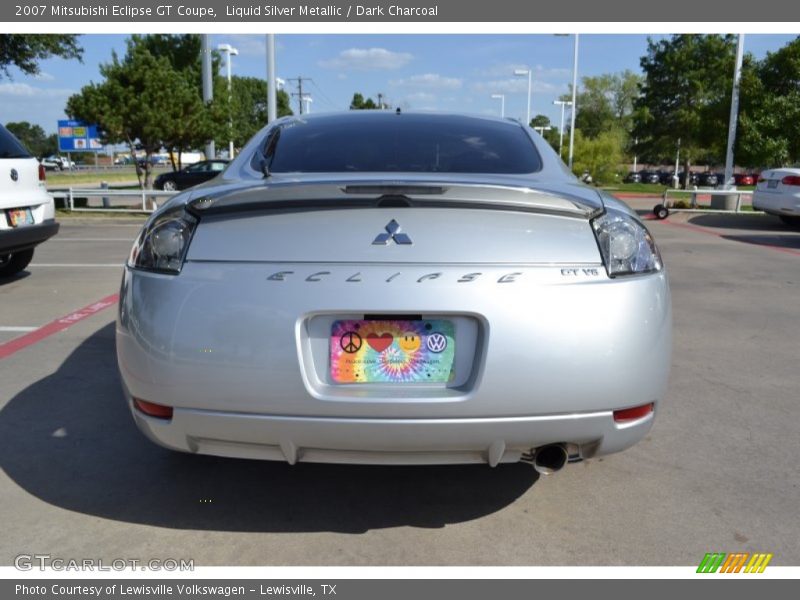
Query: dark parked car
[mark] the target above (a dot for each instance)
(665, 177)
(694, 178)
(709, 179)
(649, 177)
(633, 177)
(192, 175)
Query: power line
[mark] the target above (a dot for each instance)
(324, 96)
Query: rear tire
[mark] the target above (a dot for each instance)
(169, 186)
(790, 220)
(11, 264)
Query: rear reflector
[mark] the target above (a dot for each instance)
(42, 175)
(791, 180)
(153, 410)
(631, 414)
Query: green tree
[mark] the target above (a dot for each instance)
(27, 49)
(358, 103)
(600, 156)
(540, 121)
(140, 97)
(34, 138)
(687, 86)
(769, 117)
(249, 107)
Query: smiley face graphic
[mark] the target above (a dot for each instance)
(409, 341)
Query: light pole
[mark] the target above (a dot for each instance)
(230, 52)
(574, 101)
(734, 117)
(502, 98)
(563, 103)
(522, 73)
(272, 91)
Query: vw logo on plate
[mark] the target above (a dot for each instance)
(14, 175)
(436, 342)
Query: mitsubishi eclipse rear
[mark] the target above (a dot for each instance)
(395, 288)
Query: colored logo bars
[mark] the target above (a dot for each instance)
(734, 563)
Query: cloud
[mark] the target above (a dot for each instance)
(428, 81)
(367, 59)
(25, 102)
(25, 90)
(539, 71)
(42, 76)
(517, 85)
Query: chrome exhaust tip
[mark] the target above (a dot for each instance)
(547, 459)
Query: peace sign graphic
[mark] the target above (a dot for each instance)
(350, 342)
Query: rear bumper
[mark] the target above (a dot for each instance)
(777, 204)
(22, 238)
(387, 441)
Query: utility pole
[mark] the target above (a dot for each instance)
(380, 100)
(299, 93)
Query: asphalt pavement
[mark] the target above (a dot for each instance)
(716, 473)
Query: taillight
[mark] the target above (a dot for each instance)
(153, 410)
(791, 180)
(42, 175)
(631, 414)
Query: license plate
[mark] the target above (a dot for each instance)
(20, 216)
(772, 183)
(392, 351)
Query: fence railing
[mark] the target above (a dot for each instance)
(721, 200)
(130, 201)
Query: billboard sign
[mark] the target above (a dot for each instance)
(77, 136)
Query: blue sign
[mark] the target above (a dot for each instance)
(77, 136)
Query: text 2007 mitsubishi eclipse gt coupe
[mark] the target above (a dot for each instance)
(395, 289)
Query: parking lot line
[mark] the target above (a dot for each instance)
(17, 344)
(79, 265)
(699, 229)
(17, 329)
(62, 240)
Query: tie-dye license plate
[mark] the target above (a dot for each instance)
(392, 351)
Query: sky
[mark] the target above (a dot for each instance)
(446, 72)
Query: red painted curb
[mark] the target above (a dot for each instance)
(17, 344)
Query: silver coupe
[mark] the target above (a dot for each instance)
(395, 288)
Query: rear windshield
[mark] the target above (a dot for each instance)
(11, 147)
(407, 143)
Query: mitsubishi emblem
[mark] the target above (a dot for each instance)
(392, 233)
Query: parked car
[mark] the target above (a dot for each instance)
(409, 298)
(633, 177)
(27, 211)
(694, 178)
(57, 163)
(649, 177)
(192, 175)
(666, 177)
(778, 193)
(708, 179)
(745, 179)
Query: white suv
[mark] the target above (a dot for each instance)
(27, 212)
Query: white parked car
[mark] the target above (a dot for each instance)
(778, 193)
(27, 211)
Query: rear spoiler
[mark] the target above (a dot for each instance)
(292, 196)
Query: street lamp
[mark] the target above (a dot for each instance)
(563, 103)
(502, 98)
(522, 73)
(230, 52)
(574, 97)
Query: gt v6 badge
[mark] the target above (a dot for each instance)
(392, 233)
